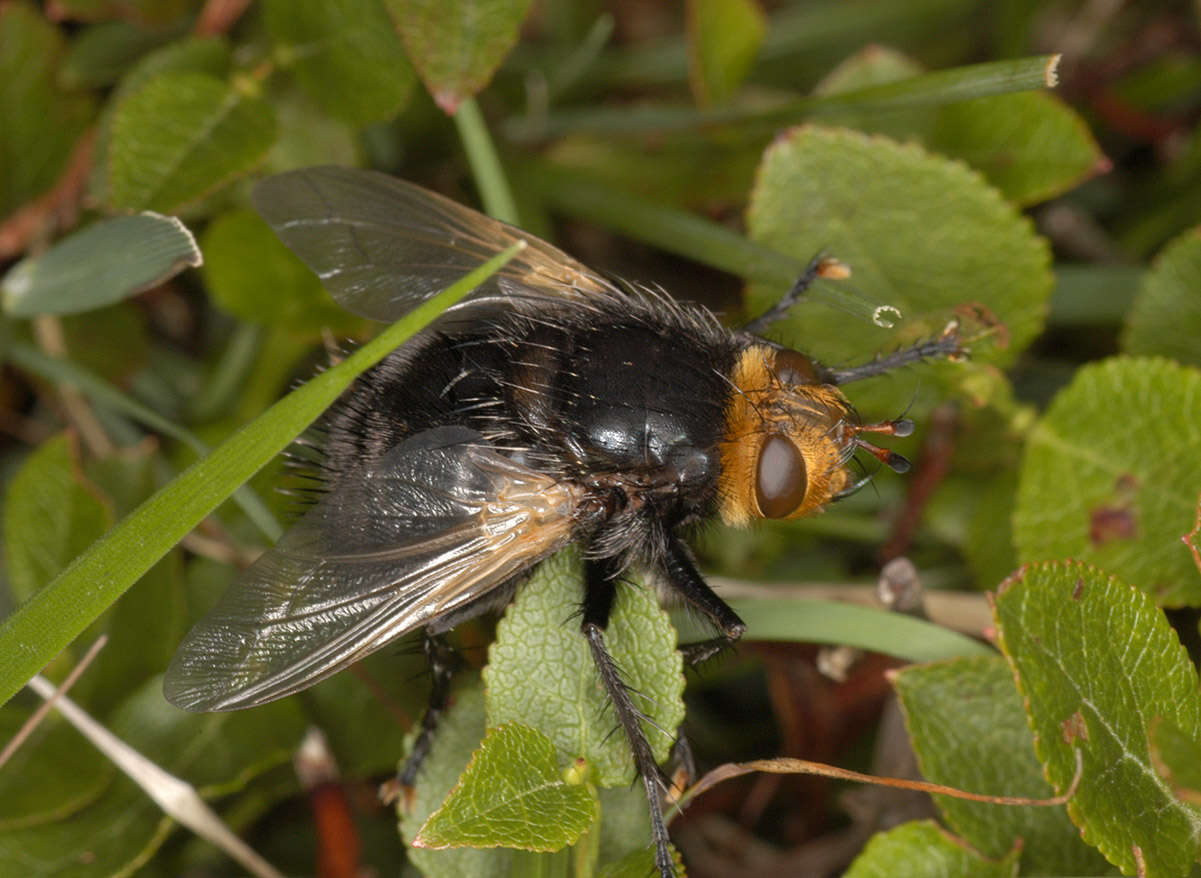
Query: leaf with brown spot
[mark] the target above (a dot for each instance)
(1097, 672)
(1111, 475)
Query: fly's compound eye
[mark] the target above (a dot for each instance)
(781, 479)
(793, 368)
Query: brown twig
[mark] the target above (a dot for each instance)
(46, 706)
(49, 333)
(804, 766)
(54, 210)
(218, 16)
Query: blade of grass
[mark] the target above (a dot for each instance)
(895, 634)
(485, 163)
(569, 192)
(927, 89)
(806, 37)
(685, 234)
(100, 391)
(48, 622)
(233, 365)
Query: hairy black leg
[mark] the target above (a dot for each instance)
(681, 574)
(780, 308)
(442, 665)
(601, 588)
(946, 344)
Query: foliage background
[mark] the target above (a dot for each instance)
(713, 148)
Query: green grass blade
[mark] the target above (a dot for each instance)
(56, 615)
(677, 231)
(800, 620)
(485, 163)
(685, 234)
(927, 89)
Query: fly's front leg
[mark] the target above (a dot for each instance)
(681, 574)
(601, 589)
(946, 344)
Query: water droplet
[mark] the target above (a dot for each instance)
(886, 316)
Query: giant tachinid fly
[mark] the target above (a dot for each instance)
(553, 407)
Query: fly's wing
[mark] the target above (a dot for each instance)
(437, 522)
(382, 246)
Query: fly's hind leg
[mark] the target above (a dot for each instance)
(601, 589)
(442, 662)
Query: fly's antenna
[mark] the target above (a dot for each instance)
(822, 265)
(899, 427)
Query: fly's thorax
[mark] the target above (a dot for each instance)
(788, 437)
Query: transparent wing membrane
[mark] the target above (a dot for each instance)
(436, 523)
(382, 246)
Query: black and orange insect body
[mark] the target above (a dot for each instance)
(553, 407)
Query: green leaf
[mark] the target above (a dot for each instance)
(540, 670)
(1166, 316)
(50, 515)
(45, 625)
(307, 137)
(1032, 146)
(927, 236)
(456, 45)
(1111, 475)
(1177, 759)
(345, 54)
(625, 825)
(219, 753)
(922, 849)
(969, 731)
(512, 794)
(104, 263)
(1097, 663)
(50, 777)
(638, 864)
(211, 55)
(102, 53)
(459, 733)
(41, 122)
(181, 136)
(111, 836)
(252, 275)
(724, 38)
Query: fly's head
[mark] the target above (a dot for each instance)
(789, 437)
